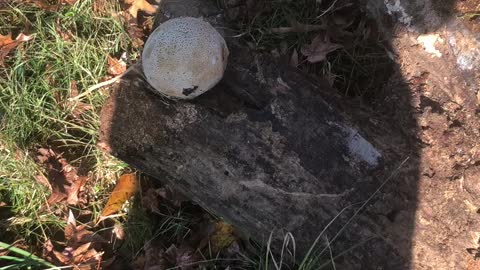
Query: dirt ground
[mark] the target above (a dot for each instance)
(443, 98)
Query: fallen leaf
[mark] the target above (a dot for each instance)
(223, 236)
(63, 178)
(7, 44)
(79, 235)
(82, 249)
(319, 48)
(183, 258)
(63, 259)
(125, 188)
(140, 5)
(116, 66)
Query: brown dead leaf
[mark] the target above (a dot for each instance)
(319, 48)
(7, 44)
(63, 259)
(79, 235)
(81, 250)
(184, 257)
(115, 66)
(63, 178)
(83, 257)
(140, 5)
(125, 188)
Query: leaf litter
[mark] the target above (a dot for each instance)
(63, 179)
(81, 249)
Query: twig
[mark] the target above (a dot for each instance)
(105, 83)
(97, 86)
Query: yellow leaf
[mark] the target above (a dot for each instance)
(223, 236)
(140, 5)
(125, 188)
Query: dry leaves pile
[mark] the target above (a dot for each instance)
(81, 249)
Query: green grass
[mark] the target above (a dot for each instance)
(34, 87)
(22, 259)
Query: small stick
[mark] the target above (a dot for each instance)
(100, 85)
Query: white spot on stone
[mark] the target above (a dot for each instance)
(428, 42)
(361, 149)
